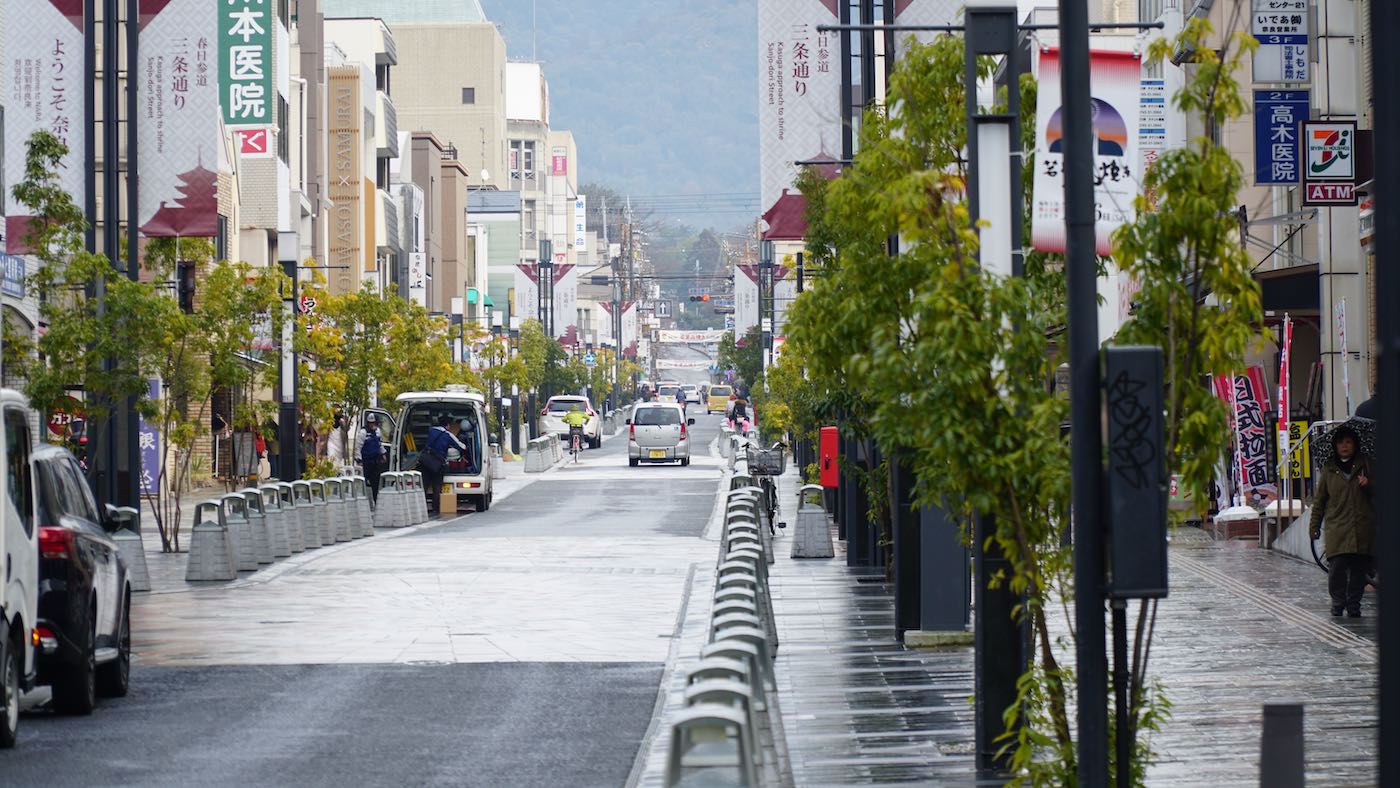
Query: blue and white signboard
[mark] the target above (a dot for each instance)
(13, 275)
(589, 359)
(1281, 27)
(1277, 115)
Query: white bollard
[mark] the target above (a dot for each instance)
(287, 500)
(363, 506)
(133, 553)
(335, 506)
(420, 499)
(384, 509)
(325, 530)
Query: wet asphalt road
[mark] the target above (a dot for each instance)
(232, 703)
(302, 725)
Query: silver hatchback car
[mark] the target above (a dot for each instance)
(658, 432)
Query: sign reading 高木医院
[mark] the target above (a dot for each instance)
(1115, 80)
(1277, 154)
(1329, 162)
(246, 92)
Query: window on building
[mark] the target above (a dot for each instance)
(528, 159)
(284, 12)
(514, 155)
(284, 136)
(381, 77)
(527, 223)
(468, 95)
(221, 239)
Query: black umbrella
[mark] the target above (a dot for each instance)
(1365, 430)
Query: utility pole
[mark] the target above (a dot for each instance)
(1385, 22)
(1086, 472)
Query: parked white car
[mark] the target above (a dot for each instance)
(658, 432)
(552, 419)
(19, 586)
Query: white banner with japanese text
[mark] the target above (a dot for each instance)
(43, 84)
(799, 90)
(1248, 402)
(687, 337)
(178, 143)
(1115, 82)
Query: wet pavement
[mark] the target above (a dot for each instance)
(519, 646)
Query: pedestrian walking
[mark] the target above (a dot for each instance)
(372, 454)
(1344, 503)
(274, 447)
(432, 460)
(335, 442)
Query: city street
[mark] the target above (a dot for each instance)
(522, 646)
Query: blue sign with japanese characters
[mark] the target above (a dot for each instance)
(1277, 153)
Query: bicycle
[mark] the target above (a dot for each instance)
(575, 442)
(764, 464)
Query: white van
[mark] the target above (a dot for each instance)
(19, 587)
(406, 432)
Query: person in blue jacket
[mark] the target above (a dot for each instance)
(441, 440)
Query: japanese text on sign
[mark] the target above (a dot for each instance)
(1277, 114)
(245, 39)
(1281, 27)
(1245, 395)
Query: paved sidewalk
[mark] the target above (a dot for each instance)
(1241, 628)
(168, 569)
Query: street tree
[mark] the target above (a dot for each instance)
(914, 351)
(98, 340)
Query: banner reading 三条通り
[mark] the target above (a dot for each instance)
(43, 90)
(1253, 424)
(799, 90)
(1114, 82)
(178, 143)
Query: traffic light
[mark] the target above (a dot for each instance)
(184, 285)
(700, 298)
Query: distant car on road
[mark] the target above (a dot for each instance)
(691, 393)
(552, 419)
(658, 433)
(84, 625)
(718, 399)
(669, 393)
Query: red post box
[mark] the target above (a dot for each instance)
(830, 458)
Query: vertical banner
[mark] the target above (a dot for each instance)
(148, 438)
(628, 342)
(179, 111)
(565, 296)
(418, 278)
(1245, 396)
(799, 90)
(246, 92)
(559, 161)
(527, 291)
(580, 234)
(1114, 84)
(43, 74)
(745, 299)
(1341, 319)
(346, 165)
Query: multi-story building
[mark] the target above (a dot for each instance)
(364, 234)
(451, 76)
(527, 157)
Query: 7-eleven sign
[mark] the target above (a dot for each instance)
(253, 143)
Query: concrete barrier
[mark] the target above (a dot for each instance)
(257, 521)
(306, 515)
(287, 500)
(384, 509)
(417, 498)
(133, 552)
(401, 501)
(336, 511)
(541, 453)
(211, 551)
(276, 521)
(812, 537)
(233, 508)
(363, 505)
(325, 531)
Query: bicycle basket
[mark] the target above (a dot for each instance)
(767, 462)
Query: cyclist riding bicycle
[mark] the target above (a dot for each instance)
(575, 418)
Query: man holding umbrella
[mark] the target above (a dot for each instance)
(1344, 500)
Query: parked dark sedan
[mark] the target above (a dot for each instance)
(84, 622)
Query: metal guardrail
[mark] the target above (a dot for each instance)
(716, 739)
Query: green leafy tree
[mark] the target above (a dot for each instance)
(744, 356)
(98, 339)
